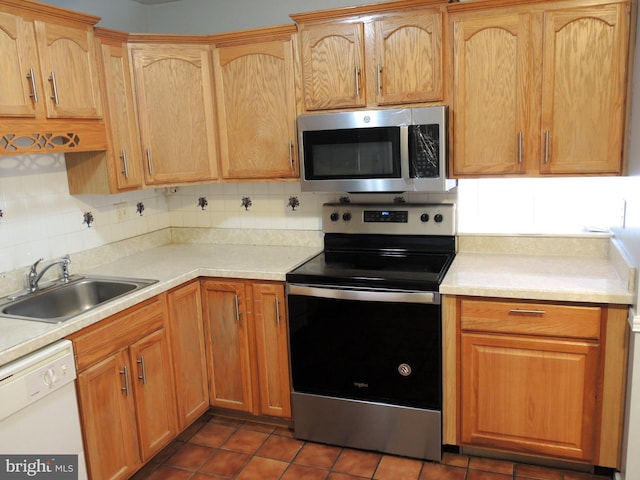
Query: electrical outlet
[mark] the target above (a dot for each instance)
(121, 212)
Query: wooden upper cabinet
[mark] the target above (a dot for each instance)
(119, 167)
(407, 59)
(539, 88)
(583, 89)
(20, 83)
(372, 55)
(333, 66)
(70, 71)
(256, 94)
(174, 93)
(124, 148)
(58, 78)
(490, 75)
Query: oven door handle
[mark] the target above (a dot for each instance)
(399, 296)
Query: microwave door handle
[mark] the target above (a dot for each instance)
(404, 151)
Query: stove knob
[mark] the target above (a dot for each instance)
(438, 218)
(334, 217)
(424, 217)
(346, 216)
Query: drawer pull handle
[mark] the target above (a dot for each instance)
(524, 311)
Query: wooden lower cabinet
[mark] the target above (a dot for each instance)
(272, 349)
(537, 378)
(108, 419)
(126, 389)
(186, 331)
(531, 395)
(247, 346)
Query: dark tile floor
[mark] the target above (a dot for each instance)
(218, 447)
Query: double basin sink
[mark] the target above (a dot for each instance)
(63, 301)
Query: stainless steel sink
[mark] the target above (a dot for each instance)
(60, 302)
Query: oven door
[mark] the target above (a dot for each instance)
(377, 346)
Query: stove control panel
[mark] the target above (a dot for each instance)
(391, 219)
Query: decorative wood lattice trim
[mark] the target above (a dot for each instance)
(39, 142)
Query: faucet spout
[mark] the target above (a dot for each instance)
(33, 276)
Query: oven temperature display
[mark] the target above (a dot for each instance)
(386, 216)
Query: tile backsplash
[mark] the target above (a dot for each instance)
(40, 219)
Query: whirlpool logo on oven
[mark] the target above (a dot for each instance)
(51, 467)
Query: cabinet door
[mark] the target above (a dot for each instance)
(272, 349)
(584, 80)
(108, 418)
(333, 66)
(125, 153)
(186, 332)
(529, 395)
(490, 93)
(70, 70)
(174, 91)
(256, 107)
(227, 331)
(408, 59)
(154, 392)
(19, 88)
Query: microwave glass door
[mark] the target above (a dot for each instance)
(424, 151)
(352, 153)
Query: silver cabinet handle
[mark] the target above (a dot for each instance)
(125, 167)
(52, 79)
(547, 136)
(524, 311)
(125, 372)
(34, 92)
(357, 72)
(520, 147)
(379, 78)
(237, 302)
(143, 370)
(291, 154)
(277, 311)
(149, 163)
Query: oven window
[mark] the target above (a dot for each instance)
(352, 153)
(372, 351)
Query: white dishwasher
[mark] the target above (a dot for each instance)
(39, 420)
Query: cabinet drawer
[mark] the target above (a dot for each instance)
(117, 332)
(528, 318)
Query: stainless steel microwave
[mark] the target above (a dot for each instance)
(392, 150)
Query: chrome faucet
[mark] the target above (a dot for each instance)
(33, 276)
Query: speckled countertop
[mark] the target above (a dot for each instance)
(536, 268)
(171, 265)
(592, 270)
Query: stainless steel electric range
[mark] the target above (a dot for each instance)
(365, 329)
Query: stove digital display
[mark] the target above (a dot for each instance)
(386, 216)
